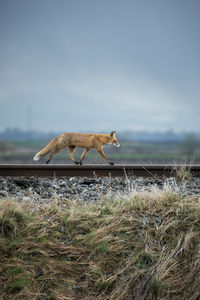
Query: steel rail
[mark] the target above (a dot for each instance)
(144, 170)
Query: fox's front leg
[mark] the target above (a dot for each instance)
(100, 151)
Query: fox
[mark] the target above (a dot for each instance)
(82, 140)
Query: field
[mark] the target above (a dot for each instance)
(132, 246)
(129, 152)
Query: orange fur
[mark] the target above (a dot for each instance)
(83, 140)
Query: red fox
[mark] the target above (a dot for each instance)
(83, 140)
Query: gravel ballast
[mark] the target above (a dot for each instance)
(87, 189)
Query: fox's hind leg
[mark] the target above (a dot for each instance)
(56, 150)
(84, 155)
(71, 151)
(50, 156)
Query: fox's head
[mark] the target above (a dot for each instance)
(113, 139)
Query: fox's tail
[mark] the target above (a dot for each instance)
(44, 151)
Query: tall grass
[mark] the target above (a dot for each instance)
(135, 246)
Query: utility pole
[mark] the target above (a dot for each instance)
(29, 121)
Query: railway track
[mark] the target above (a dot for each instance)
(28, 170)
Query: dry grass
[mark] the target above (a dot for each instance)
(137, 246)
(183, 173)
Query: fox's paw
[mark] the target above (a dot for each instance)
(111, 163)
(76, 162)
(80, 163)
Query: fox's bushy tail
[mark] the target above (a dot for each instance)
(44, 151)
(37, 156)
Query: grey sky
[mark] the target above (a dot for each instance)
(98, 65)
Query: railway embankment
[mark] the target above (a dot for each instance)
(99, 238)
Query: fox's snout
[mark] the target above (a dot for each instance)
(115, 143)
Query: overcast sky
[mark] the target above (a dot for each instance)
(96, 65)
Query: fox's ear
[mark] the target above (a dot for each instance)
(112, 133)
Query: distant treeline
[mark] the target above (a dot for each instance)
(14, 134)
(156, 136)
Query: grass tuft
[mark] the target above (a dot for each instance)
(12, 218)
(183, 174)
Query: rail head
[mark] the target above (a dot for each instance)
(58, 170)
